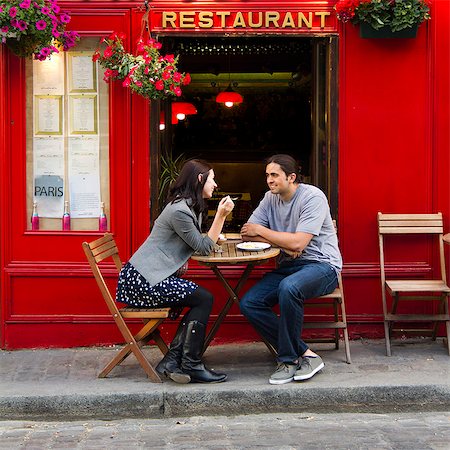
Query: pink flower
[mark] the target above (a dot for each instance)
(159, 85)
(65, 18)
(166, 75)
(177, 91)
(56, 8)
(46, 51)
(177, 77)
(126, 82)
(4, 29)
(12, 11)
(138, 83)
(22, 25)
(45, 10)
(55, 33)
(41, 24)
(25, 4)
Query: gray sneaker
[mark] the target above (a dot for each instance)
(309, 366)
(284, 373)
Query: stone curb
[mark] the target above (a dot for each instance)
(378, 399)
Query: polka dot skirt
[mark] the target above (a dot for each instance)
(134, 290)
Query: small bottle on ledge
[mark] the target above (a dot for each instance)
(66, 217)
(34, 218)
(102, 220)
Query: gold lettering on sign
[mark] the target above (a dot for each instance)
(169, 17)
(302, 18)
(274, 17)
(205, 19)
(322, 16)
(288, 21)
(239, 20)
(253, 24)
(223, 17)
(246, 19)
(187, 19)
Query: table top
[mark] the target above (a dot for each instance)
(232, 255)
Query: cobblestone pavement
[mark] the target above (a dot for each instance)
(270, 431)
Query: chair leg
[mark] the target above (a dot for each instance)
(121, 356)
(336, 319)
(156, 336)
(387, 337)
(347, 346)
(447, 325)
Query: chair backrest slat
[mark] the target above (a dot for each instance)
(410, 223)
(93, 262)
(107, 254)
(103, 248)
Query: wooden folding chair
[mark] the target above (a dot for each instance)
(434, 290)
(336, 321)
(100, 250)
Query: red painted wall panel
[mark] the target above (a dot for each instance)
(394, 141)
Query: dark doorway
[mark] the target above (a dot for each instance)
(287, 84)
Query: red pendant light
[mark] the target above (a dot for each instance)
(181, 109)
(229, 97)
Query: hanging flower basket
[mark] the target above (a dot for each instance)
(147, 73)
(35, 28)
(384, 18)
(366, 31)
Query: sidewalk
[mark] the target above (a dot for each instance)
(63, 384)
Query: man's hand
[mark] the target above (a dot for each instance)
(292, 254)
(250, 229)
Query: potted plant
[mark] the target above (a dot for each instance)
(384, 18)
(35, 28)
(147, 73)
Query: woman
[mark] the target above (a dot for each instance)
(152, 276)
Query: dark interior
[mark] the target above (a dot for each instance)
(274, 78)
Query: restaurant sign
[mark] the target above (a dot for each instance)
(286, 21)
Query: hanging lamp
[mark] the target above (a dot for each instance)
(229, 97)
(182, 109)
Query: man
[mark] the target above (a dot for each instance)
(295, 217)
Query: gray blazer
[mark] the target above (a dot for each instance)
(174, 238)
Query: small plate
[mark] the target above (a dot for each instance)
(253, 246)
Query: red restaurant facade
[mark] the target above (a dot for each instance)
(372, 130)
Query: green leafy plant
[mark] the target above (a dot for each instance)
(35, 28)
(148, 73)
(395, 14)
(170, 169)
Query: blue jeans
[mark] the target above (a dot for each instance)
(289, 285)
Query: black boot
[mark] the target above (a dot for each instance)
(169, 366)
(191, 363)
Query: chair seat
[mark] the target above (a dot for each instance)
(416, 286)
(145, 313)
(335, 294)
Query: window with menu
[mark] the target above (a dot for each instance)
(67, 142)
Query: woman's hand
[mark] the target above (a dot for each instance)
(225, 206)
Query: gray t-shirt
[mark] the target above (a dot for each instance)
(307, 211)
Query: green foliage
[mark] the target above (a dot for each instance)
(396, 14)
(170, 169)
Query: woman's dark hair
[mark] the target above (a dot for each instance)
(188, 186)
(287, 163)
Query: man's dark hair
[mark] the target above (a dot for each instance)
(188, 186)
(287, 163)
